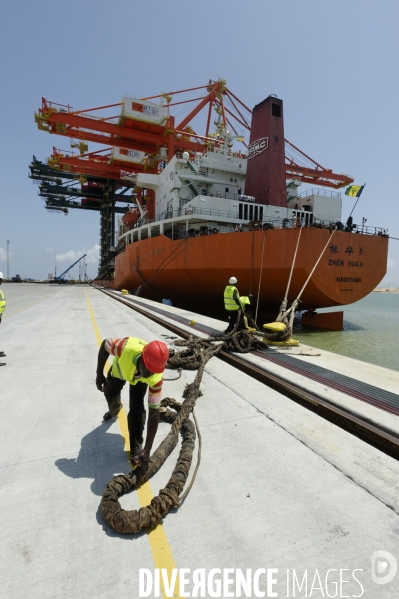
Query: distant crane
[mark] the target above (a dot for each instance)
(60, 279)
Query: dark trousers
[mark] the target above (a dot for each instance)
(233, 319)
(137, 414)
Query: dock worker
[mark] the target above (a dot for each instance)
(141, 364)
(231, 303)
(248, 321)
(2, 305)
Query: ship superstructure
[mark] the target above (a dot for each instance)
(204, 194)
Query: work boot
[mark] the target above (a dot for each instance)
(107, 416)
(2, 354)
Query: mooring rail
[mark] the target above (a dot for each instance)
(374, 434)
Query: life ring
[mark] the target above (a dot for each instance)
(254, 225)
(215, 230)
(267, 226)
(211, 195)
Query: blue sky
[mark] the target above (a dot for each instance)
(334, 64)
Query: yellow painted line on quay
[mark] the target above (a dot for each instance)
(160, 548)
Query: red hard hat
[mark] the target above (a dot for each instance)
(155, 355)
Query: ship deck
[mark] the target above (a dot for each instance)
(278, 486)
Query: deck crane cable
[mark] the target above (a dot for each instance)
(195, 357)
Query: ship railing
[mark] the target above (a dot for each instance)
(380, 231)
(186, 172)
(238, 197)
(321, 192)
(178, 218)
(210, 154)
(268, 224)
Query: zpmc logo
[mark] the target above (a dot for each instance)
(257, 147)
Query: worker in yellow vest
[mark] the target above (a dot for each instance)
(2, 305)
(141, 364)
(248, 321)
(231, 303)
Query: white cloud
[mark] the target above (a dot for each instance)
(93, 254)
(391, 263)
(72, 255)
(3, 255)
(49, 250)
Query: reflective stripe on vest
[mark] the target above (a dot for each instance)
(2, 302)
(229, 301)
(125, 367)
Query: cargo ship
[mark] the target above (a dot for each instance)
(207, 216)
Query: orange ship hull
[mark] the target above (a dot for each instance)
(193, 272)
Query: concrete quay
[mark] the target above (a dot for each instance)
(280, 491)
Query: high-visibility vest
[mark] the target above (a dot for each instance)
(229, 301)
(244, 301)
(2, 302)
(125, 367)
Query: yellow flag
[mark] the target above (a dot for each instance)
(354, 190)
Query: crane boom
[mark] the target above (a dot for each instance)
(59, 278)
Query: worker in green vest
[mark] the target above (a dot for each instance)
(141, 364)
(248, 321)
(231, 303)
(2, 305)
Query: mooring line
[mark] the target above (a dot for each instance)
(160, 548)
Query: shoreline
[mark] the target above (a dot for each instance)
(385, 290)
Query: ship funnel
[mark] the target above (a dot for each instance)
(265, 178)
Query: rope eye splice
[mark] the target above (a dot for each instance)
(195, 356)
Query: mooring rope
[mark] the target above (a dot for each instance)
(260, 277)
(284, 303)
(294, 304)
(196, 355)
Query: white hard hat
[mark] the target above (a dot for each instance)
(1, 275)
(232, 280)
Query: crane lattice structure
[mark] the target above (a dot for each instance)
(63, 192)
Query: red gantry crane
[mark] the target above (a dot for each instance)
(148, 128)
(145, 134)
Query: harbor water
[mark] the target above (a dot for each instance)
(370, 331)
